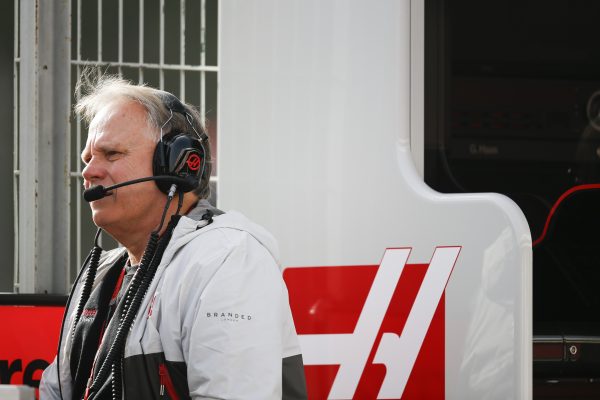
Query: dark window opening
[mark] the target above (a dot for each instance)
(512, 105)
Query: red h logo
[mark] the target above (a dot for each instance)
(193, 162)
(372, 332)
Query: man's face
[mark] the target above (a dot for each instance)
(119, 148)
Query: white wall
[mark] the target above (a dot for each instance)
(315, 122)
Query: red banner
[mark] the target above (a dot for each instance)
(28, 342)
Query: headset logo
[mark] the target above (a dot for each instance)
(193, 162)
(396, 324)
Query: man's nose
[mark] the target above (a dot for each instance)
(92, 172)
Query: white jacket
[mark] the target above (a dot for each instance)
(215, 321)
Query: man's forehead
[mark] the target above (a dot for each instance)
(119, 111)
(118, 121)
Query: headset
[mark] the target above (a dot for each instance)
(179, 154)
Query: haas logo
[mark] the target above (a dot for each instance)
(373, 332)
(193, 162)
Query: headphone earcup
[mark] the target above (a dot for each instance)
(180, 155)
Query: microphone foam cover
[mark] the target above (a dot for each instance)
(94, 193)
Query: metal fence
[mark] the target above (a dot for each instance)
(171, 45)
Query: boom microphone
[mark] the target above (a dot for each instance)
(186, 184)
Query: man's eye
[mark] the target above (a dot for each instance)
(112, 155)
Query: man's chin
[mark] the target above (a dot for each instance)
(101, 220)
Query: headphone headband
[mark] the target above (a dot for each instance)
(172, 103)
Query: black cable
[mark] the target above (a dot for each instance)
(166, 209)
(146, 259)
(116, 350)
(140, 273)
(135, 293)
(162, 219)
(64, 319)
(134, 285)
(150, 248)
(118, 343)
(117, 379)
(86, 290)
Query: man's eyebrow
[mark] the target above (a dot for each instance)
(102, 147)
(108, 145)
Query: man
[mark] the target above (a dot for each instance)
(213, 319)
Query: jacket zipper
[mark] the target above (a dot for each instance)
(166, 383)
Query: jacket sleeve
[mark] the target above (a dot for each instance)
(49, 389)
(233, 329)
